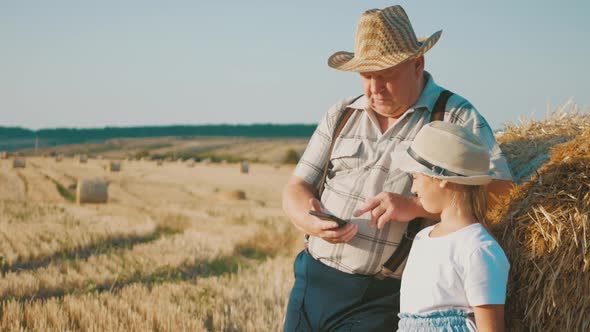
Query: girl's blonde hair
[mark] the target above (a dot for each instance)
(475, 196)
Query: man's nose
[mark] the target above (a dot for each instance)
(376, 86)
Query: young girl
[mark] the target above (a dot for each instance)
(456, 273)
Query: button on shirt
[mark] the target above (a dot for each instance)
(364, 164)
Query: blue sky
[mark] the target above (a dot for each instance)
(146, 62)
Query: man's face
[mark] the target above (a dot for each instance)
(393, 90)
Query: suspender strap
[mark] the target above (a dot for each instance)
(403, 250)
(337, 130)
(438, 112)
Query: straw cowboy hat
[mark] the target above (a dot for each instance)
(447, 151)
(384, 38)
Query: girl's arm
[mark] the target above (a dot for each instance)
(489, 317)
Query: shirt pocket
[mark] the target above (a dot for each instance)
(347, 155)
(398, 181)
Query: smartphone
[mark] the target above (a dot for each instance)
(341, 222)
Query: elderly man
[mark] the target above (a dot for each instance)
(344, 279)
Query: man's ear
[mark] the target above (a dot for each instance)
(419, 65)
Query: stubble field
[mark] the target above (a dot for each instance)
(176, 248)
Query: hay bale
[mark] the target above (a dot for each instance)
(190, 162)
(19, 162)
(206, 161)
(82, 159)
(3, 155)
(544, 229)
(92, 191)
(232, 195)
(244, 167)
(527, 145)
(114, 166)
(58, 157)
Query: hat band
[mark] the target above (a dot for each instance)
(436, 169)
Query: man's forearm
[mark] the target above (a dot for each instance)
(296, 198)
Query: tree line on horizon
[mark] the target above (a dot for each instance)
(15, 138)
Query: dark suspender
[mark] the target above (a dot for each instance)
(414, 226)
(337, 130)
(438, 112)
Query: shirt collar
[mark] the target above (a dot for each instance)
(426, 100)
(429, 94)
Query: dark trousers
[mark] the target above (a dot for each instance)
(326, 299)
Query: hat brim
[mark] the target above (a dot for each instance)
(410, 165)
(346, 61)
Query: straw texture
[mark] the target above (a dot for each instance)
(544, 226)
(384, 38)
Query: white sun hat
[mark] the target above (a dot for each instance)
(447, 151)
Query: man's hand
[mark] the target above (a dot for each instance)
(386, 207)
(298, 199)
(328, 229)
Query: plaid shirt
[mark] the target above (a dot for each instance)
(365, 164)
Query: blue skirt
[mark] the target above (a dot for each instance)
(450, 320)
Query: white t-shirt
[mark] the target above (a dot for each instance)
(461, 270)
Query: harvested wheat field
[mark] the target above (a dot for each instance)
(175, 248)
(207, 247)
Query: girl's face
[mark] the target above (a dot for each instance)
(430, 192)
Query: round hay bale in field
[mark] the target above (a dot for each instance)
(190, 162)
(58, 158)
(114, 166)
(544, 229)
(3, 155)
(244, 167)
(232, 195)
(159, 162)
(19, 162)
(82, 159)
(92, 191)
